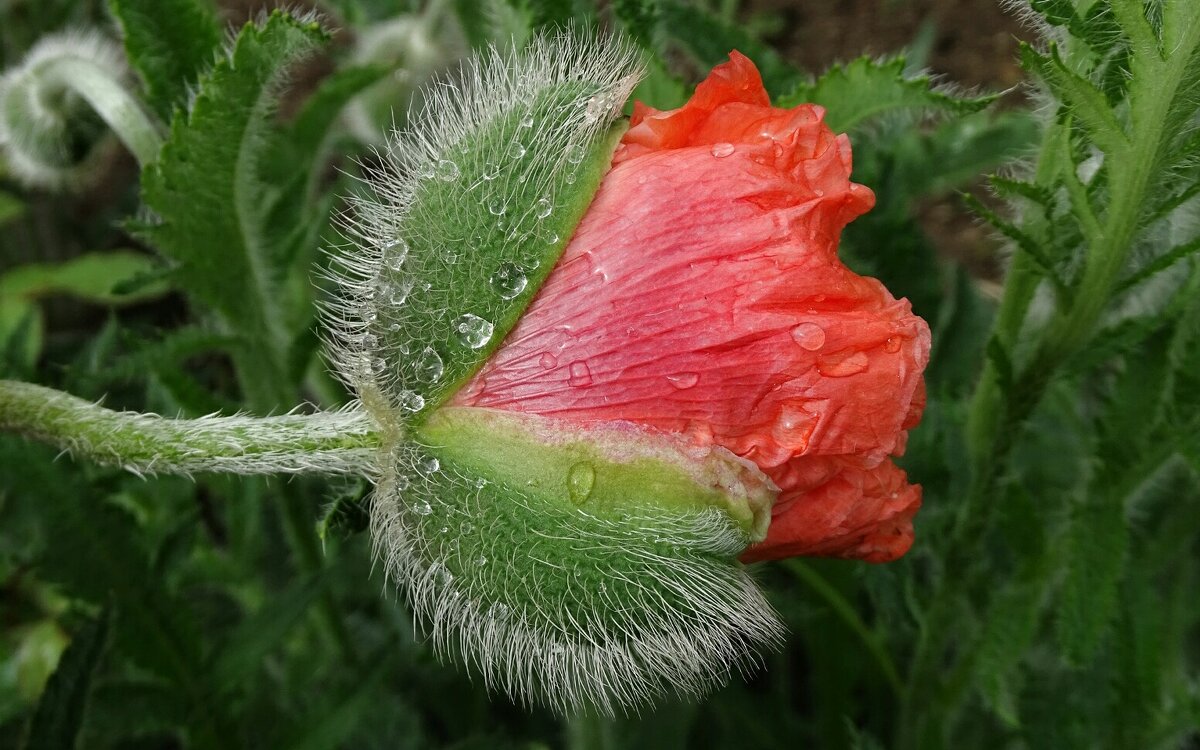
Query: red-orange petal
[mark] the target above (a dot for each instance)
(702, 294)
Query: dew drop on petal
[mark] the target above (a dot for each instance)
(842, 366)
(684, 380)
(581, 477)
(809, 336)
(473, 331)
(578, 374)
(509, 280)
(548, 361)
(446, 170)
(542, 208)
(429, 365)
(892, 345)
(721, 150)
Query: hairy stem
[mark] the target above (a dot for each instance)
(339, 442)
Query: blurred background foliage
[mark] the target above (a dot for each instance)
(221, 613)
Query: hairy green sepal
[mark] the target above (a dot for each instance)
(603, 469)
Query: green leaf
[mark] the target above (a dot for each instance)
(347, 514)
(865, 88)
(639, 18)
(1087, 103)
(1160, 263)
(56, 723)
(1027, 244)
(1009, 630)
(169, 42)
(709, 39)
(1096, 546)
(94, 277)
(207, 189)
(242, 652)
(10, 207)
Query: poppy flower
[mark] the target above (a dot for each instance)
(609, 359)
(702, 295)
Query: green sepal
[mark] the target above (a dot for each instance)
(604, 469)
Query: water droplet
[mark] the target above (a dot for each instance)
(548, 361)
(843, 366)
(399, 293)
(892, 345)
(509, 280)
(578, 374)
(542, 208)
(422, 508)
(569, 178)
(446, 171)
(395, 253)
(516, 151)
(552, 238)
(441, 574)
(575, 153)
(481, 561)
(809, 336)
(490, 172)
(379, 365)
(497, 206)
(684, 380)
(402, 482)
(431, 465)
(499, 611)
(473, 331)
(527, 121)
(429, 365)
(721, 150)
(369, 341)
(411, 401)
(581, 477)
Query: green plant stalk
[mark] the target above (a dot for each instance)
(994, 419)
(119, 109)
(328, 442)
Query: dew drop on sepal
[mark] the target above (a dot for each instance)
(447, 171)
(411, 401)
(581, 477)
(395, 253)
(542, 208)
(473, 331)
(398, 294)
(497, 206)
(509, 280)
(429, 366)
(575, 153)
(422, 508)
(516, 151)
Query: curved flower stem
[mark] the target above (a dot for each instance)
(119, 109)
(849, 616)
(339, 442)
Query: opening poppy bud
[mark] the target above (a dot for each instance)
(608, 362)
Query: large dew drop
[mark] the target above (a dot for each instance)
(473, 331)
(429, 365)
(684, 380)
(809, 336)
(446, 171)
(721, 150)
(578, 374)
(509, 280)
